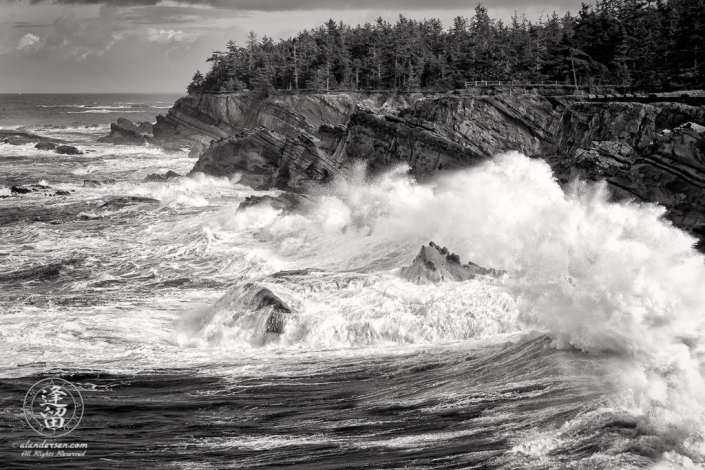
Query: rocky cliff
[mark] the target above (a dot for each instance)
(646, 152)
(315, 137)
(266, 159)
(649, 152)
(195, 120)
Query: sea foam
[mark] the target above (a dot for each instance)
(601, 277)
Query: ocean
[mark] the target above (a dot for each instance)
(588, 353)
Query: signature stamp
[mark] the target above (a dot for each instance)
(53, 407)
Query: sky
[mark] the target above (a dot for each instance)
(112, 46)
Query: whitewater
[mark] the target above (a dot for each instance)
(587, 353)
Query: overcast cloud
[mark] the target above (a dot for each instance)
(155, 46)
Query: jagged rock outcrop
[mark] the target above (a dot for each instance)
(126, 132)
(166, 177)
(436, 264)
(285, 202)
(647, 152)
(433, 133)
(260, 298)
(266, 159)
(195, 120)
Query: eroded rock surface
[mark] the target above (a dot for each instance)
(67, 150)
(653, 153)
(253, 307)
(295, 142)
(285, 202)
(266, 159)
(166, 177)
(436, 264)
(45, 146)
(126, 132)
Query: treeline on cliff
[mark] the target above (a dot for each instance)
(647, 44)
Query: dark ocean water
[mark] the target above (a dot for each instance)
(587, 354)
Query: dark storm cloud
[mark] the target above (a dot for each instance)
(289, 5)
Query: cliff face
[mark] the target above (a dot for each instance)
(491, 125)
(198, 119)
(649, 152)
(449, 132)
(266, 159)
(310, 138)
(653, 153)
(633, 124)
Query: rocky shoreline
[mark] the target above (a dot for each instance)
(652, 152)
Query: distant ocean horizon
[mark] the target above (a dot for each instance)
(80, 109)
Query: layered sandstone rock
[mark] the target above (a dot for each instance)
(266, 159)
(634, 124)
(651, 153)
(293, 142)
(195, 120)
(430, 133)
(489, 125)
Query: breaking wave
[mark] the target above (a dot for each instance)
(605, 278)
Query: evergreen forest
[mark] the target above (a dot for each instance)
(651, 45)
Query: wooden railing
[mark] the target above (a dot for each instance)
(485, 83)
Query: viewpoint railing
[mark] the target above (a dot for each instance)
(488, 83)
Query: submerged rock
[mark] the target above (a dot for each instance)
(434, 264)
(22, 138)
(67, 150)
(45, 146)
(122, 202)
(32, 188)
(157, 178)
